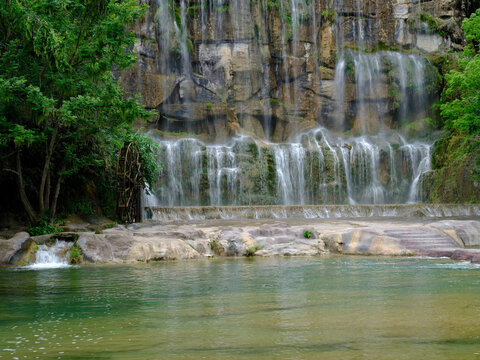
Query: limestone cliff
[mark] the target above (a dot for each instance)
(270, 68)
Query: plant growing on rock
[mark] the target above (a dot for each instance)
(252, 250)
(307, 234)
(328, 15)
(76, 255)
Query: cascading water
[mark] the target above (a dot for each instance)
(348, 153)
(52, 256)
(315, 168)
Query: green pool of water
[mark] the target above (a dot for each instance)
(299, 308)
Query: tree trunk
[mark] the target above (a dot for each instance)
(57, 193)
(47, 192)
(32, 216)
(46, 169)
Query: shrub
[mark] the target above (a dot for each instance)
(307, 234)
(76, 255)
(252, 250)
(46, 228)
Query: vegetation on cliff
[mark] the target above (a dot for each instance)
(63, 116)
(457, 155)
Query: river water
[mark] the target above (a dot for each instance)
(335, 307)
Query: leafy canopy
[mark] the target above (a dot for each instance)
(461, 98)
(61, 109)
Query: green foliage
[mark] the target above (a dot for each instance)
(307, 234)
(471, 28)
(276, 102)
(253, 149)
(194, 9)
(461, 107)
(216, 247)
(148, 148)
(79, 206)
(221, 8)
(434, 23)
(76, 255)
(252, 250)
(208, 106)
(62, 112)
(456, 157)
(257, 31)
(461, 97)
(100, 228)
(45, 228)
(273, 5)
(329, 15)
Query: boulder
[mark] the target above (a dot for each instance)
(112, 247)
(11, 249)
(156, 249)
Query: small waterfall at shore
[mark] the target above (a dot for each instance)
(52, 256)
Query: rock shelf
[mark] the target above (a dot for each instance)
(154, 241)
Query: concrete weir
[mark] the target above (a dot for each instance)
(186, 213)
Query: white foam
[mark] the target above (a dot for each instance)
(51, 257)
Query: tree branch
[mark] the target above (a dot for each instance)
(10, 170)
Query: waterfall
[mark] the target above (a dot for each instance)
(287, 122)
(52, 256)
(314, 168)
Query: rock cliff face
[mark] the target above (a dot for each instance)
(306, 97)
(270, 68)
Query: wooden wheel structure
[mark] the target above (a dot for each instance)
(129, 183)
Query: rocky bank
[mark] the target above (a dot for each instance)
(147, 242)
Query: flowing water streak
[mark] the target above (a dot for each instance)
(222, 167)
(405, 76)
(421, 160)
(51, 257)
(290, 166)
(340, 74)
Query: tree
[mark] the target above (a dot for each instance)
(456, 158)
(460, 106)
(61, 109)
